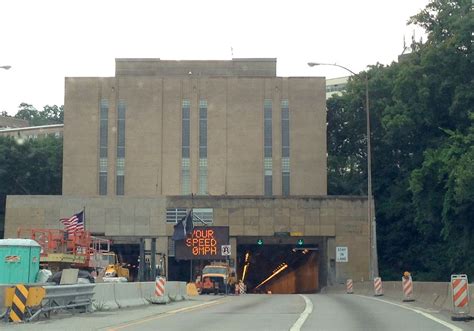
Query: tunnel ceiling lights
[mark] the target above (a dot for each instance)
(245, 272)
(280, 269)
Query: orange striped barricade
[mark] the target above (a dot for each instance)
(407, 287)
(460, 294)
(160, 291)
(349, 286)
(378, 290)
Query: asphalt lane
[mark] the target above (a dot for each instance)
(353, 312)
(236, 313)
(259, 312)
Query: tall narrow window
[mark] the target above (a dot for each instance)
(103, 134)
(120, 164)
(203, 147)
(185, 135)
(285, 147)
(267, 141)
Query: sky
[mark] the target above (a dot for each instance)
(46, 41)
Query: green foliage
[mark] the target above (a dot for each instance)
(443, 193)
(29, 167)
(49, 114)
(422, 136)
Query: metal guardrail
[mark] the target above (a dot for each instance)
(66, 297)
(61, 297)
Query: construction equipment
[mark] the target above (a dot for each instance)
(81, 250)
(115, 268)
(217, 278)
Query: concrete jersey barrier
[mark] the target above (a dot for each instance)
(128, 295)
(104, 297)
(108, 296)
(122, 295)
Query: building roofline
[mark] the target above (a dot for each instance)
(50, 126)
(243, 59)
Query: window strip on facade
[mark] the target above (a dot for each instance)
(185, 141)
(203, 147)
(267, 141)
(103, 142)
(120, 163)
(285, 147)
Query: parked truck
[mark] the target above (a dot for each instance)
(217, 278)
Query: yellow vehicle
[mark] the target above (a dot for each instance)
(216, 278)
(114, 267)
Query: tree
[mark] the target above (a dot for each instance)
(421, 133)
(29, 113)
(443, 193)
(49, 114)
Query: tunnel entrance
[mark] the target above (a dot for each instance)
(128, 254)
(279, 268)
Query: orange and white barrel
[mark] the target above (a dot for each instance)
(160, 284)
(378, 290)
(349, 286)
(460, 294)
(407, 286)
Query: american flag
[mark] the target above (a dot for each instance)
(75, 223)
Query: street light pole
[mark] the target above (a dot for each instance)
(371, 224)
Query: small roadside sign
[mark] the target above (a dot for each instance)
(225, 250)
(296, 234)
(342, 254)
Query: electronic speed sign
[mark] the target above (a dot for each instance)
(204, 243)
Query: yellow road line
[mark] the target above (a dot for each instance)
(168, 313)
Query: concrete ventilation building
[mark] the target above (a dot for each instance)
(242, 147)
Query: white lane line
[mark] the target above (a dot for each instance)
(431, 317)
(304, 315)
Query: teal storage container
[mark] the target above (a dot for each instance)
(19, 261)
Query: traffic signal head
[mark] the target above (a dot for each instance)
(300, 242)
(260, 242)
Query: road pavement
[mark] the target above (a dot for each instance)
(260, 312)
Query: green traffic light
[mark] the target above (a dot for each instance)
(300, 242)
(260, 242)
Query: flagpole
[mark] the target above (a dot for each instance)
(84, 216)
(200, 220)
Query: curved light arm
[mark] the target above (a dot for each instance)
(312, 64)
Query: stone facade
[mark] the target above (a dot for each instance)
(342, 221)
(153, 91)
